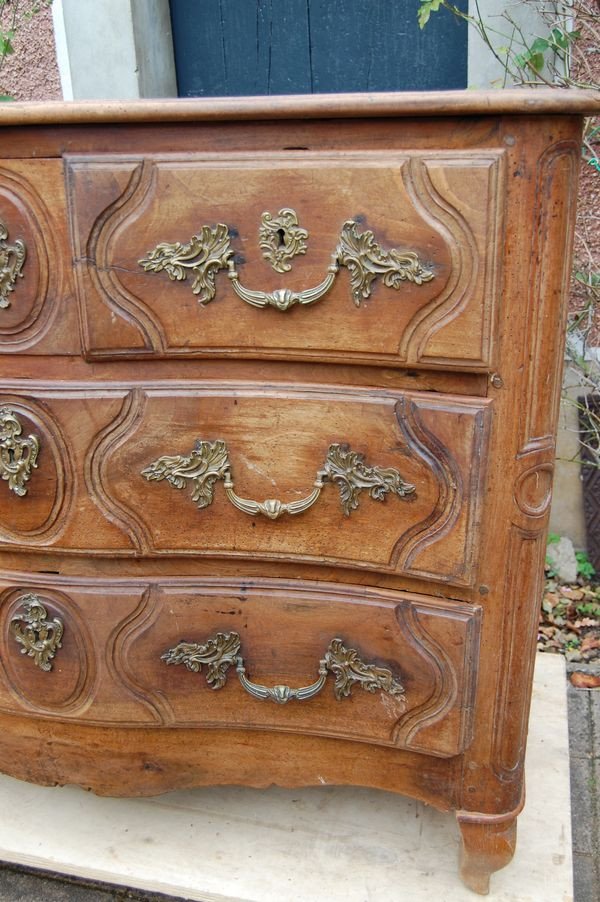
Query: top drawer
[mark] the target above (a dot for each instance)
(382, 258)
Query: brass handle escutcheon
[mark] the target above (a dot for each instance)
(210, 251)
(222, 651)
(12, 260)
(40, 637)
(18, 456)
(209, 462)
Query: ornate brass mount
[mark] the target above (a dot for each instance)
(210, 251)
(18, 456)
(209, 462)
(223, 650)
(39, 636)
(12, 258)
(280, 238)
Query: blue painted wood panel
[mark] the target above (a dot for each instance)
(245, 47)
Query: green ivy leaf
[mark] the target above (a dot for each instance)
(540, 45)
(537, 61)
(559, 38)
(426, 8)
(6, 47)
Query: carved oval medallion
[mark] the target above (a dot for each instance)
(64, 686)
(39, 513)
(533, 490)
(29, 260)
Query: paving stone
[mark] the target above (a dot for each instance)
(586, 885)
(581, 733)
(20, 885)
(583, 805)
(595, 721)
(584, 715)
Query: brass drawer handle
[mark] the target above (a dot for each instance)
(12, 259)
(223, 650)
(210, 251)
(40, 637)
(209, 462)
(283, 298)
(18, 456)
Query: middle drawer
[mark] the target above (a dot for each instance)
(372, 478)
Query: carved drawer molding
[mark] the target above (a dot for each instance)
(278, 403)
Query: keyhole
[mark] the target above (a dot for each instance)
(281, 237)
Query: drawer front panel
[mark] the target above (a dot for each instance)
(148, 233)
(400, 475)
(405, 675)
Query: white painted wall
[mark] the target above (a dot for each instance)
(484, 70)
(114, 49)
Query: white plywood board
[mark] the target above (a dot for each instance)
(354, 845)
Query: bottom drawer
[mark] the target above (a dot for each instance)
(383, 667)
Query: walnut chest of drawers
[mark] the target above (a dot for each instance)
(278, 396)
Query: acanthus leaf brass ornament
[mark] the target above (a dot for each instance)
(209, 462)
(218, 653)
(12, 259)
(205, 254)
(18, 456)
(223, 651)
(348, 470)
(40, 637)
(366, 260)
(206, 463)
(280, 238)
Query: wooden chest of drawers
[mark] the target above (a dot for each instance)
(277, 406)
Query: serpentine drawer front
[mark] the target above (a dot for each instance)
(279, 381)
(402, 673)
(392, 256)
(379, 479)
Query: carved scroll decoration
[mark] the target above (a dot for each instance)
(359, 252)
(12, 259)
(18, 456)
(40, 637)
(222, 651)
(280, 238)
(208, 462)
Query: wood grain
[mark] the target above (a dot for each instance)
(464, 406)
(278, 440)
(109, 670)
(527, 102)
(120, 210)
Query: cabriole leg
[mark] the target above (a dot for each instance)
(487, 844)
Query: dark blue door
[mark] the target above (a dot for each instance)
(232, 47)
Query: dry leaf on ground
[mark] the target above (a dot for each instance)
(584, 680)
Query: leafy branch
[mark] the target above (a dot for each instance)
(538, 59)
